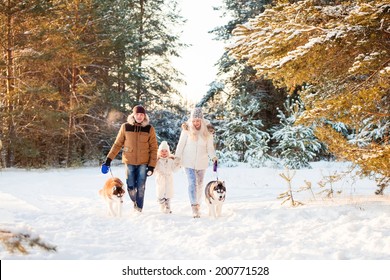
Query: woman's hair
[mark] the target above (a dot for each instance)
(202, 132)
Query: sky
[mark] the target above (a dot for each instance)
(197, 61)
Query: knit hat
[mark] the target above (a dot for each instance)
(139, 109)
(164, 146)
(197, 113)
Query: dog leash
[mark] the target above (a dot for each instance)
(215, 169)
(112, 175)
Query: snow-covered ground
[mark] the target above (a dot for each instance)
(62, 207)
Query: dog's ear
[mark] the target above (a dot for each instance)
(118, 182)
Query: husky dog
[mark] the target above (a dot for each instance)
(215, 196)
(112, 193)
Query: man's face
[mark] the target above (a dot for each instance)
(139, 117)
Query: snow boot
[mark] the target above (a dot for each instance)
(168, 206)
(162, 202)
(195, 210)
(136, 208)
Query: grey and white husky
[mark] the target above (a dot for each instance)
(215, 193)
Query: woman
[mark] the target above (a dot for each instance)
(194, 149)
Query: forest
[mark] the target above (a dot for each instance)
(299, 81)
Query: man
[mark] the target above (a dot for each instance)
(138, 140)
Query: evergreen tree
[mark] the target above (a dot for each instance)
(141, 44)
(242, 134)
(236, 75)
(296, 144)
(340, 52)
(66, 65)
(239, 89)
(168, 124)
(21, 93)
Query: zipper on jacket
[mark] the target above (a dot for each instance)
(196, 154)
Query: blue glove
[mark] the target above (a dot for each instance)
(106, 166)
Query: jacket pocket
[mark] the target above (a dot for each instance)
(128, 149)
(144, 156)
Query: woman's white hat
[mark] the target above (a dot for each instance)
(197, 113)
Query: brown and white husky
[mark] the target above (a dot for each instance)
(112, 193)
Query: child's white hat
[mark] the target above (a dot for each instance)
(164, 146)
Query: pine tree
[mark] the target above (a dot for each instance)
(241, 133)
(240, 90)
(296, 144)
(168, 124)
(69, 64)
(20, 102)
(141, 44)
(340, 53)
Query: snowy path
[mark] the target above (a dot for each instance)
(63, 207)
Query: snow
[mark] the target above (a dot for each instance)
(62, 206)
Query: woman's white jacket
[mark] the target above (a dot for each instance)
(195, 153)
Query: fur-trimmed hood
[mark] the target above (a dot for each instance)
(131, 120)
(138, 142)
(210, 127)
(194, 151)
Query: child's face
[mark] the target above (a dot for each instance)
(164, 153)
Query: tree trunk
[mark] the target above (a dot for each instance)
(140, 51)
(71, 121)
(73, 93)
(10, 91)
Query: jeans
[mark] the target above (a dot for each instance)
(195, 184)
(136, 179)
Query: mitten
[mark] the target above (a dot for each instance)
(150, 171)
(106, 166)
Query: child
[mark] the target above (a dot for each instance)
(166, 165)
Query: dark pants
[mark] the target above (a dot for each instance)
(136, 179)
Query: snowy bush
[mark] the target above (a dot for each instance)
(372, 132)
(167, 125)
(257, 155)
(245, 138)
(227, 158)
(296, 144)
(17, 242)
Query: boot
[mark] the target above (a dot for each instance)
(136, 208)
(168, 206)
(195, 210)
(162, 204)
